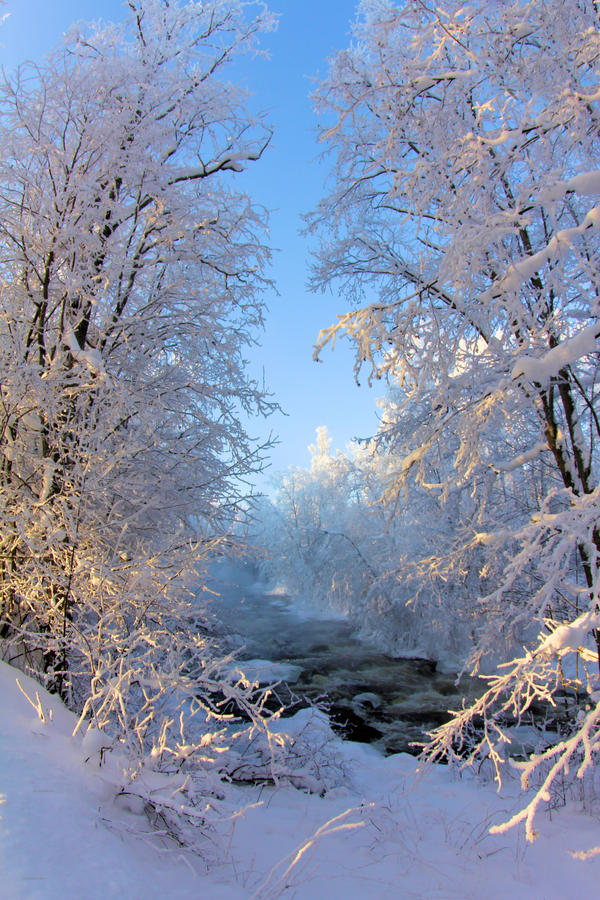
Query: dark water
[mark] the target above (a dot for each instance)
(370, 697)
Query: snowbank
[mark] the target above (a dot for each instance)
(384, 832)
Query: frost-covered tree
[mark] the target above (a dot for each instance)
(462, 224)
(131, 274)
(318, 532)
(441, 571)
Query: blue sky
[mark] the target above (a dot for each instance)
(288, 181)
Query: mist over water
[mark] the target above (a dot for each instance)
(389, 703)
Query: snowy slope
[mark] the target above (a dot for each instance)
(63, 837)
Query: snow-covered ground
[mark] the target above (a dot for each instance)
(385, 833)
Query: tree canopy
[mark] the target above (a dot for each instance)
(462, 226)
(132, 274)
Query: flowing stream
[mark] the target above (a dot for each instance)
(369, 696)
